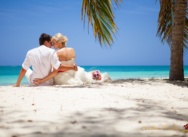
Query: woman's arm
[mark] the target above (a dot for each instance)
(68, 67)
(38, 81)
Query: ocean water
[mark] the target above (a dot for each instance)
(9, 74)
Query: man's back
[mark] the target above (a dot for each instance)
(42, 59)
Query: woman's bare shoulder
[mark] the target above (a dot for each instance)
(70, 48)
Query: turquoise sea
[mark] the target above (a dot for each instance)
(9, 74)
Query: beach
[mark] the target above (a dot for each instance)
(121, 108)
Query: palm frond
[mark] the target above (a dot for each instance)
(165, 22)
(117, 2)
(185, 40)
(100, 16)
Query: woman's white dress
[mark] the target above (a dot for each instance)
(78, 77)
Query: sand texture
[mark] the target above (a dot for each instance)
(122, 108)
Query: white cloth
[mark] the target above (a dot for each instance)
(77, 77)
(42, 59)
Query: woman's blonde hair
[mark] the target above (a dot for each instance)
(61, 38)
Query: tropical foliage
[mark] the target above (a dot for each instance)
(101, 17)
(172, 27)
(165, 21)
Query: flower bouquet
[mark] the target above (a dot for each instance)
(186, 126)
(96, 75)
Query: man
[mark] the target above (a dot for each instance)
(42, 59)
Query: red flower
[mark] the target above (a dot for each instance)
(186, 126)
(96, 75)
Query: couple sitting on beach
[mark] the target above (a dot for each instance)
(55, 67)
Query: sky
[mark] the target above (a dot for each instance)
(135, 42)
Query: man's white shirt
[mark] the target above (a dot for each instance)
(42, 59)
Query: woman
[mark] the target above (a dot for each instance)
(67, 57)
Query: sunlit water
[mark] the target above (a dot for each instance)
(9, 74)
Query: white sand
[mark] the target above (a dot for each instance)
(121, 109)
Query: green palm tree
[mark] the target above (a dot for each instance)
(172, 27)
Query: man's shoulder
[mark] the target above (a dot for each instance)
(33, 49)
(46, 48)
(41, 48)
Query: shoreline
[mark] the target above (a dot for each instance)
(134, 107)
(165, 79)
(10, 74)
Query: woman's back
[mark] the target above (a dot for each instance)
(66, 54)
(67, 57)
(69, 62)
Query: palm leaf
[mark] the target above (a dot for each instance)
(100, 16)
(186, 32)
(165, 22)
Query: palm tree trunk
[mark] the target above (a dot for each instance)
(176, 66)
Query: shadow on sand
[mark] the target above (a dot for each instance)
(147, 81)
(92, 123)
